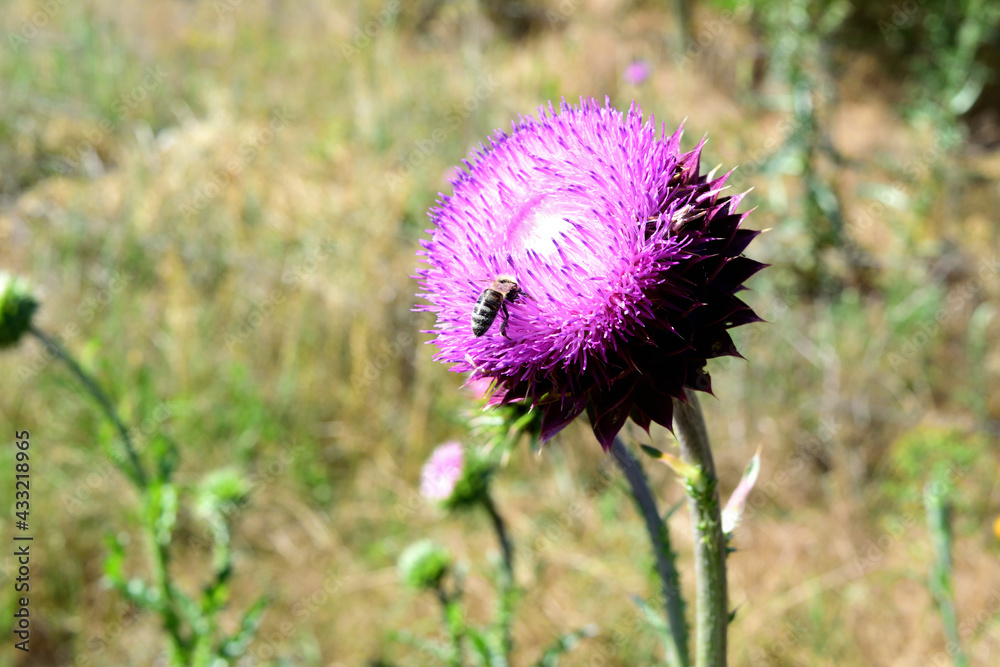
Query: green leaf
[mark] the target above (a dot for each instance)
(161, 505)
(691, 474)
(115, 561)
(733, 511)
(237, 644)
(482, 647)
(166, 455)
(188, 607)
(564, 644)
(654, 619)
(440, 651)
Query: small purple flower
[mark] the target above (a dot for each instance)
(626, 258)
(637, 72)
(442, 471)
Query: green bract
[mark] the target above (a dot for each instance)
(472, 486)
(17, 306)
(423, 564)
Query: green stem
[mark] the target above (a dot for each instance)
(941, 581)
(95, 390)
(501, 530)
(505, 614)
(454, 623)
(659, 536)
(709, 542)
(180, 648)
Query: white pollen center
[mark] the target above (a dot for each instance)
(550, 222)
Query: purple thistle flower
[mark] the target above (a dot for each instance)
(442, 471)
(637, 72)
(626, 258)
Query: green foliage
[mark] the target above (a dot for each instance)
(947, 77)
(941, 580)
(977, 394)
(564, 644)
(191, 623)
(655, 620)
(796, 37)
(958, 461)
(423, 564)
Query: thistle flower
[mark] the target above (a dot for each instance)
(454, 479)
(637, 72)
(442, 471)
(627, 260)
(17, 306)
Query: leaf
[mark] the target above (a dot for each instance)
(237, 644)
(673, 510)
(442, 652)
(482, 647)
(688, 472)
(655, 620)
(166, 454)
(734, 508)
(114, 569)
(188, 608)
(564, 644)
(161, 511)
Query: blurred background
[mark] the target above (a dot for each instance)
(218, 205)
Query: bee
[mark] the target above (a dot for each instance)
(494, 299)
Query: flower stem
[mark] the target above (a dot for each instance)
(659, 536)
(709, 541)
(942, 582)
(179, 646)
(453, 621)
(139, 475)
(506, 575)
(501, 529)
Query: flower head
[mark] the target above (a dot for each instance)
(442, 471)
(423, 564)
(637, 72)
(626, 258)
(453, 478)
(17, 306)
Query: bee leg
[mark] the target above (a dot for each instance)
(506, 317)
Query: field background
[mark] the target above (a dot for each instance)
(219, 203)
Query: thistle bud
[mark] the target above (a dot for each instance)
(454, 478)
(423, 564)
(17, 306)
